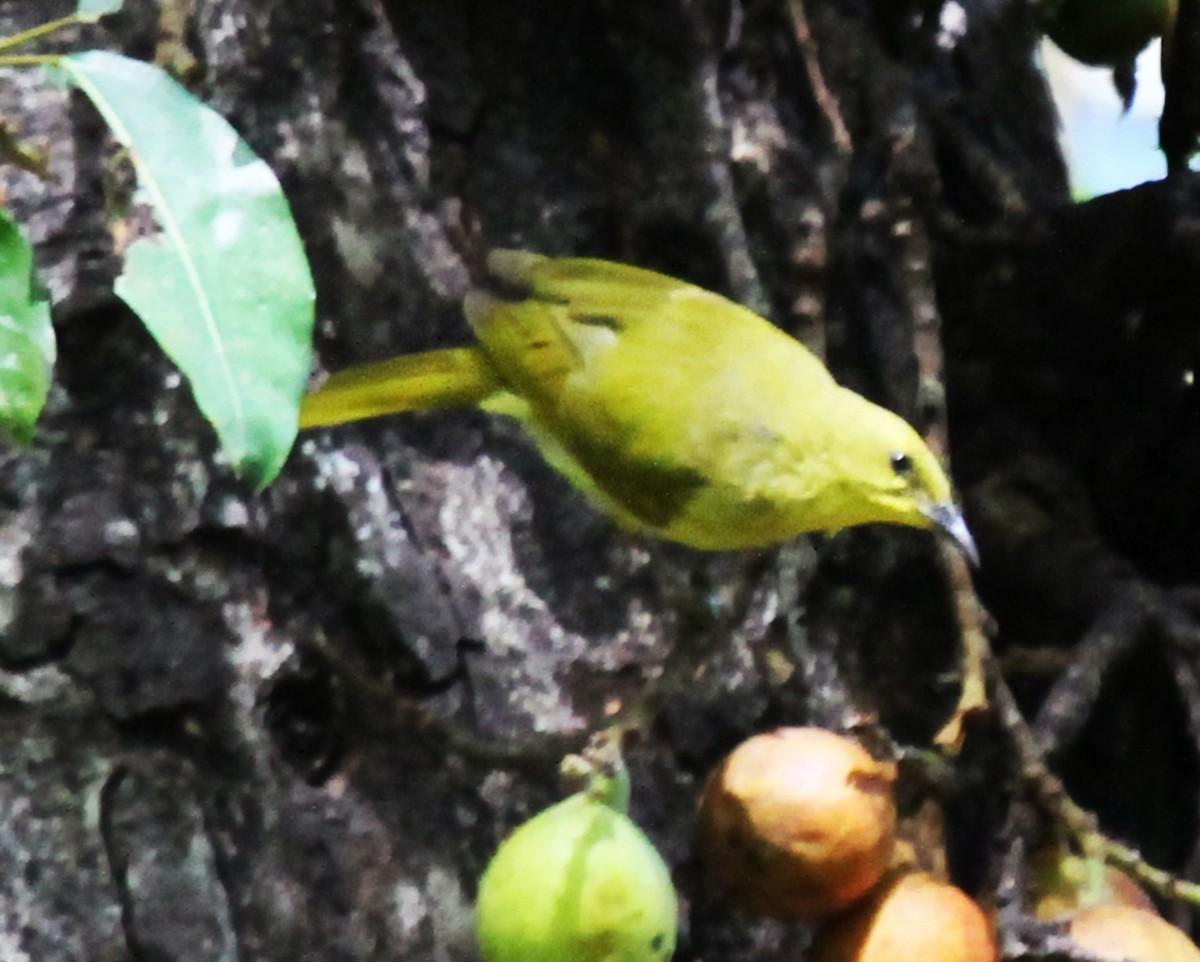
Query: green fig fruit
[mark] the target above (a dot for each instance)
(578, 882)
(1104, 32)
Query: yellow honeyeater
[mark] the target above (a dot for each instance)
(675, 410)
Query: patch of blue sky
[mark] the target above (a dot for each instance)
(1106, 149)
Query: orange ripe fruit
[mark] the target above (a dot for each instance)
(1127, 934)
(910, 917)
(797, 823)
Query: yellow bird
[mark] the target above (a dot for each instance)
(677, 411)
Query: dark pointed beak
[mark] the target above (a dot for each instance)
(948, 519)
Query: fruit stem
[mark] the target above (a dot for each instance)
(611, 789)
(601, 767)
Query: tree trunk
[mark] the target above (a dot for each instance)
(294, 725)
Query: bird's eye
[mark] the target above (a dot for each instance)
(902, 464)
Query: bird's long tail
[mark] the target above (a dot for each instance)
(454, 377)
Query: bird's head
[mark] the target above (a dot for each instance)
(892, 476)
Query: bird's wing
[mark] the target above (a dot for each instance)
(643, 379)
(543, 319)
(558, 362)
(591, 327)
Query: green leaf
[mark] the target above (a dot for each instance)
(26, 337)
(95, 9)
(224, 285)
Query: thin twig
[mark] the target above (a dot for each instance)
(972, 620)
(1113, 634)
(827, 103)
(1076, 822)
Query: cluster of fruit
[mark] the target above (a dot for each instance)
(798, 824)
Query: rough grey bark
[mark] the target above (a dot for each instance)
(294, 725)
